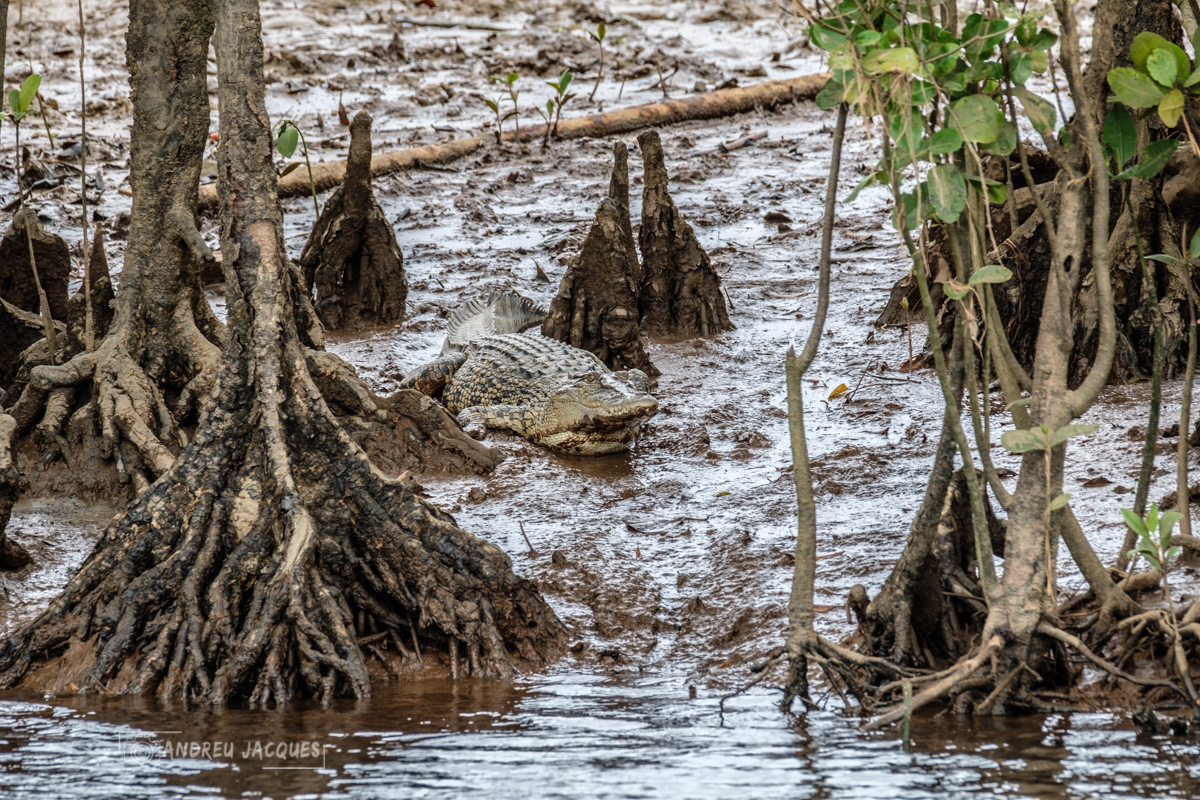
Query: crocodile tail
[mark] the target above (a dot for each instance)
(497, 313)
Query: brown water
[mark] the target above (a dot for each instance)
(571, 735)
(673, 567)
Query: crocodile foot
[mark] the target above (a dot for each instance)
(473, 422)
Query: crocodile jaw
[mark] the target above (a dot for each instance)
(599, 431)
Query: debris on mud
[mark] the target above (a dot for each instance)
(352, 257)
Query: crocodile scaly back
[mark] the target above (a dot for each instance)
(498, 313)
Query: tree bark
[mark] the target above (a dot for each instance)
(272, 545)
(127, 399)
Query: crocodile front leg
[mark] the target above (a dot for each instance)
(432, 377)
(477, 420)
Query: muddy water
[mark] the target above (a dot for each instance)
(568, 735)
(671, 564)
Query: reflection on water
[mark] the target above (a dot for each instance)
(568, 736)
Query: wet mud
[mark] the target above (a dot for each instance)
(671, 565)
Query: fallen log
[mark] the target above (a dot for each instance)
(708, 105)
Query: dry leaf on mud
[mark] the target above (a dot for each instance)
(839, 391)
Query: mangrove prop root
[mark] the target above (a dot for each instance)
(596, 308)
(12, 555)
(680, 292)
(351, 256)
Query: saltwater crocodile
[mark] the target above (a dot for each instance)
(550, 393)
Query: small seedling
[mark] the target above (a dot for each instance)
(509, 82)
(1154, 536)
(547, 115)
(560, 87)
(494, 105)
(20, 102)
(285, 143)
(599, 37)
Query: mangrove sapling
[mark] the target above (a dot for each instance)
(285, 143)
(803, 642)
(494, 105)
(19, 102)
(1185, 403)
(509, 81)
(936, 89)
(548, 116)
(560, 87)
(1120, 137)
(1154, 546)
(598, 36)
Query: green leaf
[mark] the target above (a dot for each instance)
(601, 30)
(1023, 441)
(1041, 62)
(1006, 140)
(1044, 40)
(14, 103)
(947, 192)
(512, 77)
(831, 96)
(1163, 259)
(1165, 525)
(1144, 46)
(1171, 107)
(945, 141)
(1135, 89)
(289, 137)
(824, 36)
(1154, 158)
(1192, 81)
(29, 90)
(1151, 521)
(992, 273)
(1041, 114)
(1150, 556)
(565, 80)
(1134, 522)
(1071, 431)
(1060, 501)
(1020, 67)
(955, 290)
(977, 118)
(1194, 247)
(997, 192)
(916, 208)
(900, 59)
(867, 38)
(492, 104)
(1161, 66)
(1120, 135)
(864, 183)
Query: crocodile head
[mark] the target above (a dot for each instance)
(596, 412)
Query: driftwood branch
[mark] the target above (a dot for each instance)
(709, 105)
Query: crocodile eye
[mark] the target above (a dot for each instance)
(591, 378)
